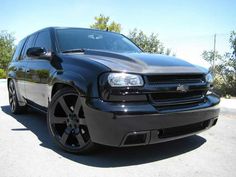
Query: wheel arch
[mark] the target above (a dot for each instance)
(85, 86)
(58, 86)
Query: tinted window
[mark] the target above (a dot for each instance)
(18, 50)
(43, 40)
(92, 39)
(29, 43)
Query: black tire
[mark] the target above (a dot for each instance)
(67, 124)
(13, 100)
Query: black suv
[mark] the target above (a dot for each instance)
(99, 87)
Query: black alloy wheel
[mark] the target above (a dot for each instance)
(13, 100)
(67, 123)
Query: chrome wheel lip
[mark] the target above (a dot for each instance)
(74, 125)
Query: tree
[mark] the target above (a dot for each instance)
(149, 43)
(230, 65)
(102, 23)
(210, 56)
(232, 41)
(6, 48)
(225, 68)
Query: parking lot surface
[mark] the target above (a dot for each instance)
(26, 150)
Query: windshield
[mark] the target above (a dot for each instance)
(69, 39)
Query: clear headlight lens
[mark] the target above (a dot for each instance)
(209, 78)
(124, 80)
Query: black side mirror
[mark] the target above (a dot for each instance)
(38, 52)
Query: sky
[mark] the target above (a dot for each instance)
(185, 26)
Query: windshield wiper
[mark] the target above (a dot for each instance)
(74, 51)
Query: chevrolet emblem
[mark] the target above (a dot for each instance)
(182, 88)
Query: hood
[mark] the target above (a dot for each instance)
(143, 63)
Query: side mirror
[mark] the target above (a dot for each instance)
(38, 52)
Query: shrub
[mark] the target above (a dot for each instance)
(2, 74)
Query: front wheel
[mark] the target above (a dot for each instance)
(67, 123)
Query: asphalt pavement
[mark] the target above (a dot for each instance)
(26, 150)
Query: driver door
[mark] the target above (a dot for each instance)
(38, 73)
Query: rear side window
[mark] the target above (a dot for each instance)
(17, 52)
(29, 43)
(43, 40)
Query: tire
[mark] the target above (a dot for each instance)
(13, 100)
(67, 124)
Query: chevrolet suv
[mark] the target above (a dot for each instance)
(98, 87)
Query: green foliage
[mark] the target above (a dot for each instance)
(150, 44)
(102, 23)
(6, 48)
(225, 69)
(2, 74)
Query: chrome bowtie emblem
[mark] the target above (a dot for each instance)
(182, 88)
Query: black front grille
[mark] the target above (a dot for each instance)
(167, 94)
(178, 78)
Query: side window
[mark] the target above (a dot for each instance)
(43, 40)
(29, 43)
(17, 52)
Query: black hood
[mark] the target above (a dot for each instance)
(141, 62)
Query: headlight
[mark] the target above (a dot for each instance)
(209, 78)
(124, 80)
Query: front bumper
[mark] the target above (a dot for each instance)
(130, 124)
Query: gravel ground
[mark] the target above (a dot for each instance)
(26, 150)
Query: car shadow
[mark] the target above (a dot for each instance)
(106, 156)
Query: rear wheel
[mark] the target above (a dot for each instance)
(67, 123)
(13, 100)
